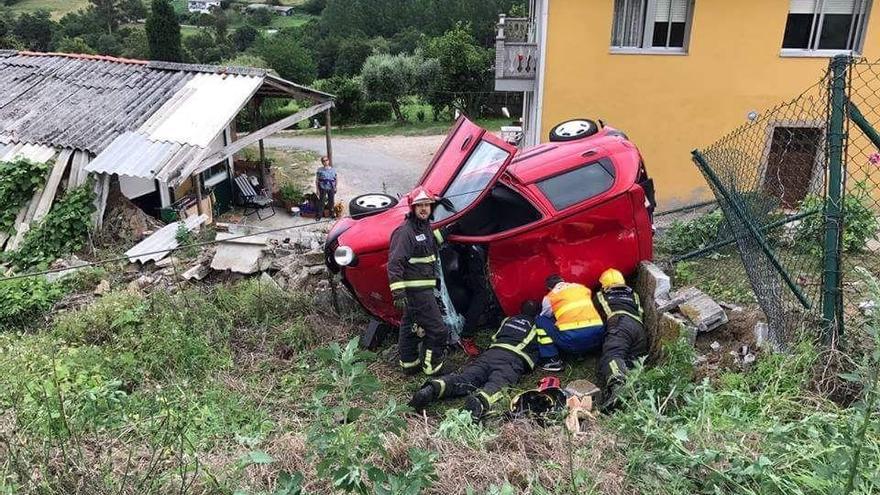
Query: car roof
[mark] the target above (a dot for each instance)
(549, 159)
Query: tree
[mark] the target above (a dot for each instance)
(392, 77)
(287, 57)
(205, 48)
(135, 45)
(246, 60)
(74, 45)
(132, 10)
(349, 94)
(163, 32)
(351, 55)
(35, 30)
(262, 16)
(465, 75)
(107, 13)
(244, 37)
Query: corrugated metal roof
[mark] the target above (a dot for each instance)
(162, 240)
(32, 152)
(141, 119)
(200, 110)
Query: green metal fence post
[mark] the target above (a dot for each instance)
(836, 135)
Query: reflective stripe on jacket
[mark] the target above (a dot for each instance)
(412, 255)
(573, 307)
(517, 335)
(621, 300)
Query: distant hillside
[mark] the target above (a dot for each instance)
(61, 7)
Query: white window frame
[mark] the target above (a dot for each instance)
(816, 30)
(648, 34)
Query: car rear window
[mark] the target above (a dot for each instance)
(578, 185)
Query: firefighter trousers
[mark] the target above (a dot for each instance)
(486, 376)
(625, 342)
(422, 309)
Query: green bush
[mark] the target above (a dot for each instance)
(376, 112)
(18, 181)
(686, 236)
(349, 98)
(63, 231)
(860, 222)
(24, 300)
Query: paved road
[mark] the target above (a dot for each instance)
(376, 164)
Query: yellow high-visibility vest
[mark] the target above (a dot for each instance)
(573, 307)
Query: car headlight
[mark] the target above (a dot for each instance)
(343, 256)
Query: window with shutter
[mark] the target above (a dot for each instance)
(651, 25)
(836, 25)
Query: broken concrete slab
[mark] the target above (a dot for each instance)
(267, 281)
(166, 262)
(672, 327)
(703, 312)
(197, 272)
(655, 280)
(238, 257)
(313, 258)
(762, 334)
(70, 266)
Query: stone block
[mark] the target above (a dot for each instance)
(703, 312)
(671, 328)
(197, 272)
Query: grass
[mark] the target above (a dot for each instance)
(409, 128)
(58, 8)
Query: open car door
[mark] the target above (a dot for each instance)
(465, 168)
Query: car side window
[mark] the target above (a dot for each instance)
(578, 185)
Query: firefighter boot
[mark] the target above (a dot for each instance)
(477, 406)
(424, 396)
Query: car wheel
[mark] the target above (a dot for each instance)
(370, 204)
(571, 130)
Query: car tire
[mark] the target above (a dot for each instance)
(370, 204)
(572, 130)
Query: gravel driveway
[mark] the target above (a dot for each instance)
(390, 164)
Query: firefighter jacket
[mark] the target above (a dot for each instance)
(518, 335)
(620, 300)
(572, 306)
(413, 255)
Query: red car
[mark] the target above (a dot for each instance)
(575, 206)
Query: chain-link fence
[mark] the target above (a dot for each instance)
(799, 188)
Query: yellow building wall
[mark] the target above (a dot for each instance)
(671, 104)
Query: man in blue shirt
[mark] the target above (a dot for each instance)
(325, 184)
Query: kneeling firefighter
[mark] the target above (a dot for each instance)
(625, 339)
(413, 276)
(512, 354)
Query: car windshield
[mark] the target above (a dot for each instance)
(472, 179)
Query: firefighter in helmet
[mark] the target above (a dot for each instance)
(625, 338)
(413, 275)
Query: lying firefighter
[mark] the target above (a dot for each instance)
(625, 339)
(569, 322)
(412, 273)
(511, 355)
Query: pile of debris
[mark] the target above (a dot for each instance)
(690, 313)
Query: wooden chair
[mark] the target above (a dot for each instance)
(252, 200)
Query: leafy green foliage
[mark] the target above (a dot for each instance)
(18, 181)
(391, 77)
(345, 439)
(860, 223)
(61, 232)
(284, 53)
(458, 425)
(349, 98)
(163, 32)
(22, 301)
(461, 80)
(291, 193)
(376, 112)
(686, 236)
(758, 432)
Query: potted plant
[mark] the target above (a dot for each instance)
(290, 195)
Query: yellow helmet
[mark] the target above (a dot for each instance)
(611, 278)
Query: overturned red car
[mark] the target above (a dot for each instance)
(575, 206)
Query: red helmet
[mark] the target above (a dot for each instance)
(421, 196)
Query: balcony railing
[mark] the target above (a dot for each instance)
(516, 54)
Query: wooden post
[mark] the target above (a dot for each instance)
(327, 135)
(197, 183)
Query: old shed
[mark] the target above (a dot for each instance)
(164, 132)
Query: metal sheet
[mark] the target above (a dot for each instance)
(162, 240)
(201, 109)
